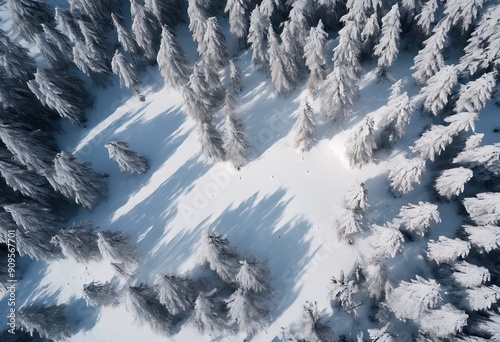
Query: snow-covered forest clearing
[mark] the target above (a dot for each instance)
(249, 170)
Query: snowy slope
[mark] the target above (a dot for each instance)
(278, 207)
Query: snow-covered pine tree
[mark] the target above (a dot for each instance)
(91, 64)
(484, 208)
(97, 293)
(128, 160)
(32, 216)
(55, 58)
(482, 159)
(417, 217)
(78, 241)
(274, 10)
(486, 237)
(312, 326)
(481, 297)
(126, 73)
(210, 313)
(116, 247)
(211, 141)
(346, 223)
(462, 14)
(58, 40)
(438, 89)
(330, 12)
(470, 275)
(236, 77)
(280, 74)
(216, 252)
(235, 144)
(474, 95)
(246, 312)
(369, 35)
(75, 179)
(425, 20)
(292, 51)
(125, 37)
(451, 181)
(341, 85)
(346, 291)
(6, 224)
(30, 148)
(67, 24)
(411, 300)
(387, 48)
(63, 92)
(197, 23)
(15, 60)
(258, 38)
(146, 30)
(361, 143)
(429, 59)
(27, 17)
(315, 58)
(396, 116)
(95, 40)
(177, 293)
(481, 51)
(254, 276)
(49, 321)
(447, 250)
(166, 11)
(377, 281)
(239, 18)
(387, 240)
(404, 175)
(36, 245)
(443, 323)
(142, 302)
(359, 10)
(172, 61)
(304, 126)
(214, 41)
(355, 198)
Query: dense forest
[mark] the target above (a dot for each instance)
(55, 56)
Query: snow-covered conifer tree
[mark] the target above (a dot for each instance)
(312, 326)
(166, 11)
(128, 160)
(57, 39)
(51, 51)
(280, 74)
(116, 247)
(235, 77)
(411, 300)
(258, 38)
(361, 143)
(105, 294)
(304, 126)
(438, 89)
(215, 52)
(49, 321)
(211, 141)
(172, 61)
(274, 10)
(387, 48)
(482, 159)
(141, 300)
(197, 23)
(396, 116)
(355, 198)
(235, 144)
(91, 64)
(239, 18)
(387, 240)
(482, 47)
(462, 14)
(470, 275)
(484, 208)
(62, 91)
(254, 276)
(346, 222)
(32, 216)
(417, 217)
(176, 292)
(443, 323)
(67, 24)
(27, 17)
(369, 34)
(486, 237)
(341, 85)
(36, 245)
(146, 32)
(425, 19)
(429, 60)
(79, 241)
(451, 181)
(376, 276)
(75, 179)
(125, 37)
(347, 290)
(209, 313)
(292, 51)
(315, 57)
(330, 12)
(15, 59)
(222, 258)
(126, 73)
(474, 95)
(244, 311)
(482, 297)
(447, 250)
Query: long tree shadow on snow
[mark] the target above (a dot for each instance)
(255, 228)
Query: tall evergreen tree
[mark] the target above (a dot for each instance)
(126, 73)
(462, 14)
(235, 77)
(125, 37)
(128, 160)
(104, 294)
(172, 60)
(281, 75)
(32, 216)
(219, 255)
(438, 89)
(388, 47)
(197, 23)
(429, 60)
(146, 32)
(116, 247)
(27, 17)
(315, 57)
(258, 38)
(235, 144)
(68, 24)
(49, 321)
(15, 59)
(239, 18)
(474, 95)
(167, 12)
(209, 313)
(78, 241)
(403, 177)
(215, 52)
(211, 141)
(176, 293)
(246, 312)
(361, 143)
(304, 126)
